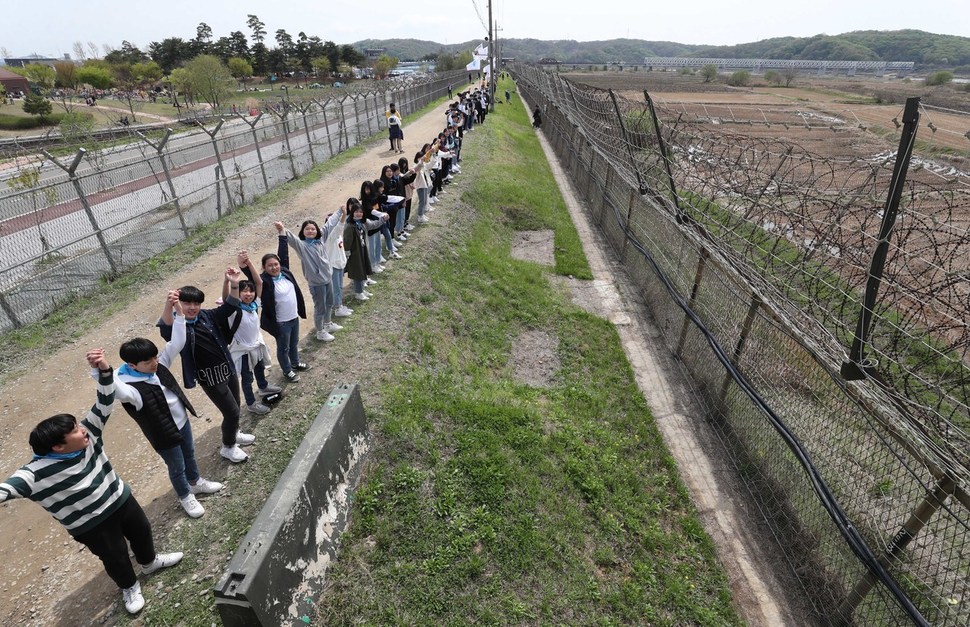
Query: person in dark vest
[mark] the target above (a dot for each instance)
(206, 362)
(151, 394)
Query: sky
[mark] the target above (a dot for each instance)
(53, 31)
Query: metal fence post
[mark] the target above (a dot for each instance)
(918, 519)
(71, 173)
(160, 149)
(606, 193)
(626, 225)
(215, 149)
(218, 171)
(303, 108)
(286, 140)
(259, 154)
(753, 308)
(326, 125)
(357, 119)
(857, 366)
(698, 276)
(665, 157)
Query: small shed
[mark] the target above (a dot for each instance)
(13, 82)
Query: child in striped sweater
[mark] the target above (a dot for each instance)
(72, 478)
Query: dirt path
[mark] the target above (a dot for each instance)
(41, 563)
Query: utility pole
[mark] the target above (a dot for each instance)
(491, 61)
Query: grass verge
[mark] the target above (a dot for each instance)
(487, 501)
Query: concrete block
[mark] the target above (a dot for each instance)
(280, 565)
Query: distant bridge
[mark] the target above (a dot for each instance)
(804, 65)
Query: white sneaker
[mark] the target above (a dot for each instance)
(423, 219)
(204, 486)
(409, 226)
(370, 281)
(396, 255)
(134, 601)
(361, 296)
(379, 269)
(244, 439)
(192, 506)
(323, 336)
(234, 454)
(162, 560)
(368, 294)
(343, 312)
(332, 326)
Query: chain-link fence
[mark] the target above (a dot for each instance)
(67, 222)
(840, 380)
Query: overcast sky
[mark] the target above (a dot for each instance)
(53, 29)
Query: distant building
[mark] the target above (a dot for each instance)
(13, 83)
(374, 53)
(547, 61)
(33, 58)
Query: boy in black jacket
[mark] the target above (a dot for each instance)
(206, 360)
(152, 396)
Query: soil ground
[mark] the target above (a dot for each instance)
(50, 580)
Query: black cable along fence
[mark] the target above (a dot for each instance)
(833, 287)
(66, 223)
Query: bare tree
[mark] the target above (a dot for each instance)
(789, 74)
(79, 53)
(4, 52)
(93, 51)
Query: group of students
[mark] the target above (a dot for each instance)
(222, 349)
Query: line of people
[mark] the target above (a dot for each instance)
(221, 350)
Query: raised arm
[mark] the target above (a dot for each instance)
(174, 346)
(281, 247)
(171, 298)
(98, 415)
(249, 269)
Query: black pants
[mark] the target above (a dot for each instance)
(107, 541)
(225, 397)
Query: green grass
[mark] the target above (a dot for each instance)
(491, 502)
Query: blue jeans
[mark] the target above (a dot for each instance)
(337, 287)
(388, 238)
(422, 200)
(287, 349)
(374, 248)
(358, 287)
(181, 462)
(322, 305)
(259, 372)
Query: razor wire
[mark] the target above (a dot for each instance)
(778, 210)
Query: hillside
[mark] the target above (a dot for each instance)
(925, 49)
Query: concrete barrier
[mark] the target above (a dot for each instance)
(280, 564)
